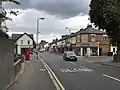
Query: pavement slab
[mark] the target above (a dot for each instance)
(35, 77)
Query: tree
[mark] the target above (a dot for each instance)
(3, 15)
(105, 14)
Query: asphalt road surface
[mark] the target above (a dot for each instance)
(83, 75)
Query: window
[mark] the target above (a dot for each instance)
(21, 41)
(84, 38)
(28, 42)
(78, 38)
(93, 37)
(104, 38)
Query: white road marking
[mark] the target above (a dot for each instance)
(55, 80)
(116, 79)
(42, 69)
(68, 70)
(77, 70)
(88, 69)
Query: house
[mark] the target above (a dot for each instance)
(23, 41)
(59, 45)
(70, 42)
(88, 41)
(92, 42)
(42, 43)
(53, 45)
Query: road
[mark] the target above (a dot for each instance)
(83, 75)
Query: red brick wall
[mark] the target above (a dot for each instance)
(105, 49)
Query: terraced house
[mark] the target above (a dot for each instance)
(88, 41)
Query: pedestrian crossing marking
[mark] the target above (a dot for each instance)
(74, 70)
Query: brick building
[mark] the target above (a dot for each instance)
(92, 42)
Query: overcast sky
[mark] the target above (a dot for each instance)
(58, 14)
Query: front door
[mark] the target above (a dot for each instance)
(23, 51)
(100, 51)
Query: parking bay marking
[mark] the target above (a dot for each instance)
(77, 70)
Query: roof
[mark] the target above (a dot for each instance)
(17, 36)
(90, 30)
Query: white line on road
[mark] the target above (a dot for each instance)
(42, 69)
(116, 79)
(54, 78)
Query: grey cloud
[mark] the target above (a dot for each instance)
(23, 23)
(60, 8)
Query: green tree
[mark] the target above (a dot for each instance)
(105, 14)
(3, 15)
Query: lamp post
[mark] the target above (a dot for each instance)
(38, 28)
(69, 35)
(67, 28)
(38, 33)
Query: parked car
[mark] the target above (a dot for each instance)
(69, 55)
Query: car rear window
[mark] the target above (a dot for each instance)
(70, 53)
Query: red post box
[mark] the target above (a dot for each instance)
(27, 54)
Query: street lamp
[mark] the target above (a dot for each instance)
(69, 30)
(38, 28)
(38, 33)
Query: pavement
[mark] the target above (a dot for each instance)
(34, 77)
(83, 74)
(104, 60)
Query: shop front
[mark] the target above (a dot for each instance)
(87, 50)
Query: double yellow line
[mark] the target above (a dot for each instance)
(52, 75)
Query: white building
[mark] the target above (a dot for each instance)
(59, 44)
(22, 42)
(73, 40)
(113, 49)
